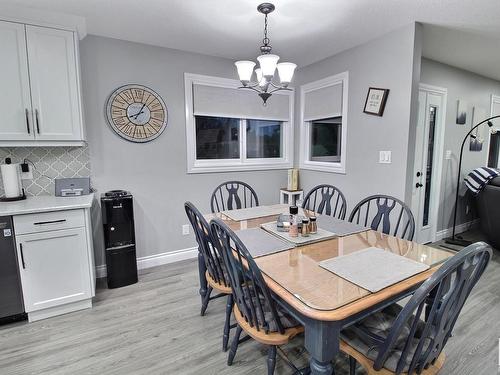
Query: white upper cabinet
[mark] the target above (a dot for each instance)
(15, 100)
(40, 88)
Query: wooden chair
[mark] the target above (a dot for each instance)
(216, 274)
(326, 199)
(397, 341)
(255, 310)
(386, 214)
(231, 195)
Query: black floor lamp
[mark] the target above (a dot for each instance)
(454, 240)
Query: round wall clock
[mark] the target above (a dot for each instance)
(136, 113)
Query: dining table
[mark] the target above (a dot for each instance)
(323, 302)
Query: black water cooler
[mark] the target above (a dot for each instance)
(119, 238)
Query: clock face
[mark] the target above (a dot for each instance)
(136, 113)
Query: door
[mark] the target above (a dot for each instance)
(54, 84)
(54, 268)
(15, 100)
(428, 161)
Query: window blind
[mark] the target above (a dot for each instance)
(323, 103)
(232, 102)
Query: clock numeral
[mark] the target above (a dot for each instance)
(155, 124)
(158, 115)
(138, 94)
(156, 105)
(150, 131)
(127, 96)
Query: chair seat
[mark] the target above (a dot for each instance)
(270, 338)
(221, 288)
(365, 337)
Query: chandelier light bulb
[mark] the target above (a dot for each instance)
(260, 78)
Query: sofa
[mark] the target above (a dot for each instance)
(488, 204)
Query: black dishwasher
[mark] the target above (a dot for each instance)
(11, 297)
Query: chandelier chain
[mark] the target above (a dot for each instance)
(266, 39)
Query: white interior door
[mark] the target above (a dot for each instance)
(15, 100)
(428, 161)
(54, 83)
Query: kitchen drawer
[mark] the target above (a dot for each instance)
(47, 221)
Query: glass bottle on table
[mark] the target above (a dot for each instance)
(294, 227)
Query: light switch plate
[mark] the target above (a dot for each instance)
(185, 229)
(447, 155)
(385, 157)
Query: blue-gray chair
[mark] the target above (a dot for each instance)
(232, 195)
(326, 200)
(399, 340)
(386, 214)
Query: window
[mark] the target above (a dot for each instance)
(325, 138)
(324, 124)
(229, 129)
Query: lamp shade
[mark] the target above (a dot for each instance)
(260, 78)
(245, 69)
(286, 70)
(268, 64)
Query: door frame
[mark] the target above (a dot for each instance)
(495, 99)
(438, 157)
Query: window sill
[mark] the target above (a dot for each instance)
(323, 167)
(232, 167)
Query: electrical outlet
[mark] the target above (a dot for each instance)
(447, 155)
(185, 229)
(27, 175)
(384, 157)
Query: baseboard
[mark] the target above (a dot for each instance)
(157, 259)
(442, 234)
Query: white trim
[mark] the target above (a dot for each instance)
(305, 163)
(157, 259)
(438, 156)
(445, 233)
(241, 164)
(495, 99)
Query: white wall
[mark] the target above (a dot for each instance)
(476, 90)
(386, 62)
(154, 172)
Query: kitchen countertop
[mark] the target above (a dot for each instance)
(45, 203)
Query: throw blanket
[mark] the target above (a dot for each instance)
(479, 178)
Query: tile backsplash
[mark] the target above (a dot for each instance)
(50, 163)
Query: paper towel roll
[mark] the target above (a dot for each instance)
(11, 180)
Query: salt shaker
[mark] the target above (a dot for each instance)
(294, 228)
(305, 228)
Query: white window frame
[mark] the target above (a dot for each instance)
(305, 126)
(243, 163)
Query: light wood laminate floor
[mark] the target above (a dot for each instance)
(154, 327)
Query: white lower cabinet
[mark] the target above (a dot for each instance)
(54, 266)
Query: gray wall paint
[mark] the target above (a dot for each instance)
(154, 172)
(385, 62)
(476, 90)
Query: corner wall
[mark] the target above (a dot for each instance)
(386, 62)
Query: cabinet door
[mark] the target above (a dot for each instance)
(15, 101)
(54, 268)
(54, 84)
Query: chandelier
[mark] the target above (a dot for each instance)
(265, 84)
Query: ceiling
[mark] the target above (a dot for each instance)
(467, 50)
(301, 31)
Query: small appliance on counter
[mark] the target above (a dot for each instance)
(12, 185)
(119, 238)
(11, 296)
(72, 187)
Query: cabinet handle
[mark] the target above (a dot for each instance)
(27, 120)
(22, 255)
(50, 222)
(37, 121)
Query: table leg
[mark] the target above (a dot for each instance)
(202, 268)
(322, 343)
